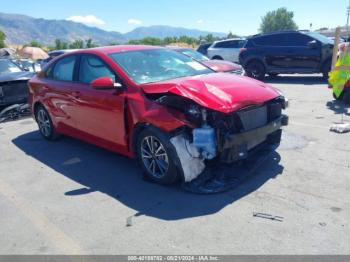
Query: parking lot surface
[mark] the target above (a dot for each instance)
(68, 197)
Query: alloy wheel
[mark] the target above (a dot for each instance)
(44, 122)
(154, 156)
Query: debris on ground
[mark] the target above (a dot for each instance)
(340, 128)
(218, 178)
(268, 216)
(14, 112)
(129, 221)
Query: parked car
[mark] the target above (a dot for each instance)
(170, 112)
(203, 48)
(287, 52)
(226, 49)
(13, 83)
(28, 65)
(216, 65)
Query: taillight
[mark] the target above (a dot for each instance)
(242, 50)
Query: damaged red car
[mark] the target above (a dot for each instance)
(167, 110)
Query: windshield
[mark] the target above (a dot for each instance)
(323, 39)
(146, 66)
(6, 66)
(194, 54)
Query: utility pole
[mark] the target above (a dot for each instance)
(347, 15)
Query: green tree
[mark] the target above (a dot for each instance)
(230, 35)
(2, 39)
(77, 44)
(90, 44)
(34, 43)
(60, 45)
(277, 20)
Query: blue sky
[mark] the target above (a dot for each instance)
(239, 16)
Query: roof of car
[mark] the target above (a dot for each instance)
(120, 48)
(279, 32)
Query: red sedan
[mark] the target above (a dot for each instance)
(169, 111)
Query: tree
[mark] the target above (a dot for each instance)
(90, 44)
(277, 20)
(77, 44)
(34, 43)
(2, 39)
(230, 35)
(60, 45)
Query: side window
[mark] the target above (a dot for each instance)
(272, 40)
(64, 69)
(298, 40)
(91, 68)
(230, 44)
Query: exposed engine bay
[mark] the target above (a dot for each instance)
(227, 138)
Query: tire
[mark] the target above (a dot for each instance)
(46, 128)
(217, 58)
(273, 74)
(326, 68)
(256, 70)
(154, 146)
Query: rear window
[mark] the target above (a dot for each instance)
(64, 69)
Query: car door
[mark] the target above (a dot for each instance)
(273, 50)
(230, 50)
(60, 90)
(300, 54)
(100, 113)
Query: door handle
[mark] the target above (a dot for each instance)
(76, 94)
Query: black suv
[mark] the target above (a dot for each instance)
(286, 52)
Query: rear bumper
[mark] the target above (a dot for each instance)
(236, 147)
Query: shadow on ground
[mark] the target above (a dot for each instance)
(296, 79)
(119, 177)
(339, 107)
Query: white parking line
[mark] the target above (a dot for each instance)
(63, 242)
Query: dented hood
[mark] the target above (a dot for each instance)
(219, 91)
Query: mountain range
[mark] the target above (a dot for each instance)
(22, 29)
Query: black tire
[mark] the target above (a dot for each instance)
(166, 168)
(256, 69)
(217, 58)
(46, 128)
(326, 68)
(273, 74)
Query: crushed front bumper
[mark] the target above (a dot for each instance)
(236, 147)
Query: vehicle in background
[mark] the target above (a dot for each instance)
(28, 65)
(55, 53)
(216, 65)
(171, 112)
(226, 49)
(203, 48)
(287, 52)
(13, 83)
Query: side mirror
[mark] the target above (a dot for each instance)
(312, 44)
(105, 82)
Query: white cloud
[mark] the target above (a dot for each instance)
(88, 19)
(133, 21)
(200, 21)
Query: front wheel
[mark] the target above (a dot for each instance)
(157, 156)
(256, 70)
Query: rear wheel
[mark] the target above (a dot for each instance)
(256, 70)
(46, 128)
(157, 156)
(217, 58)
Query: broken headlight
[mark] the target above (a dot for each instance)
(285, 102)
